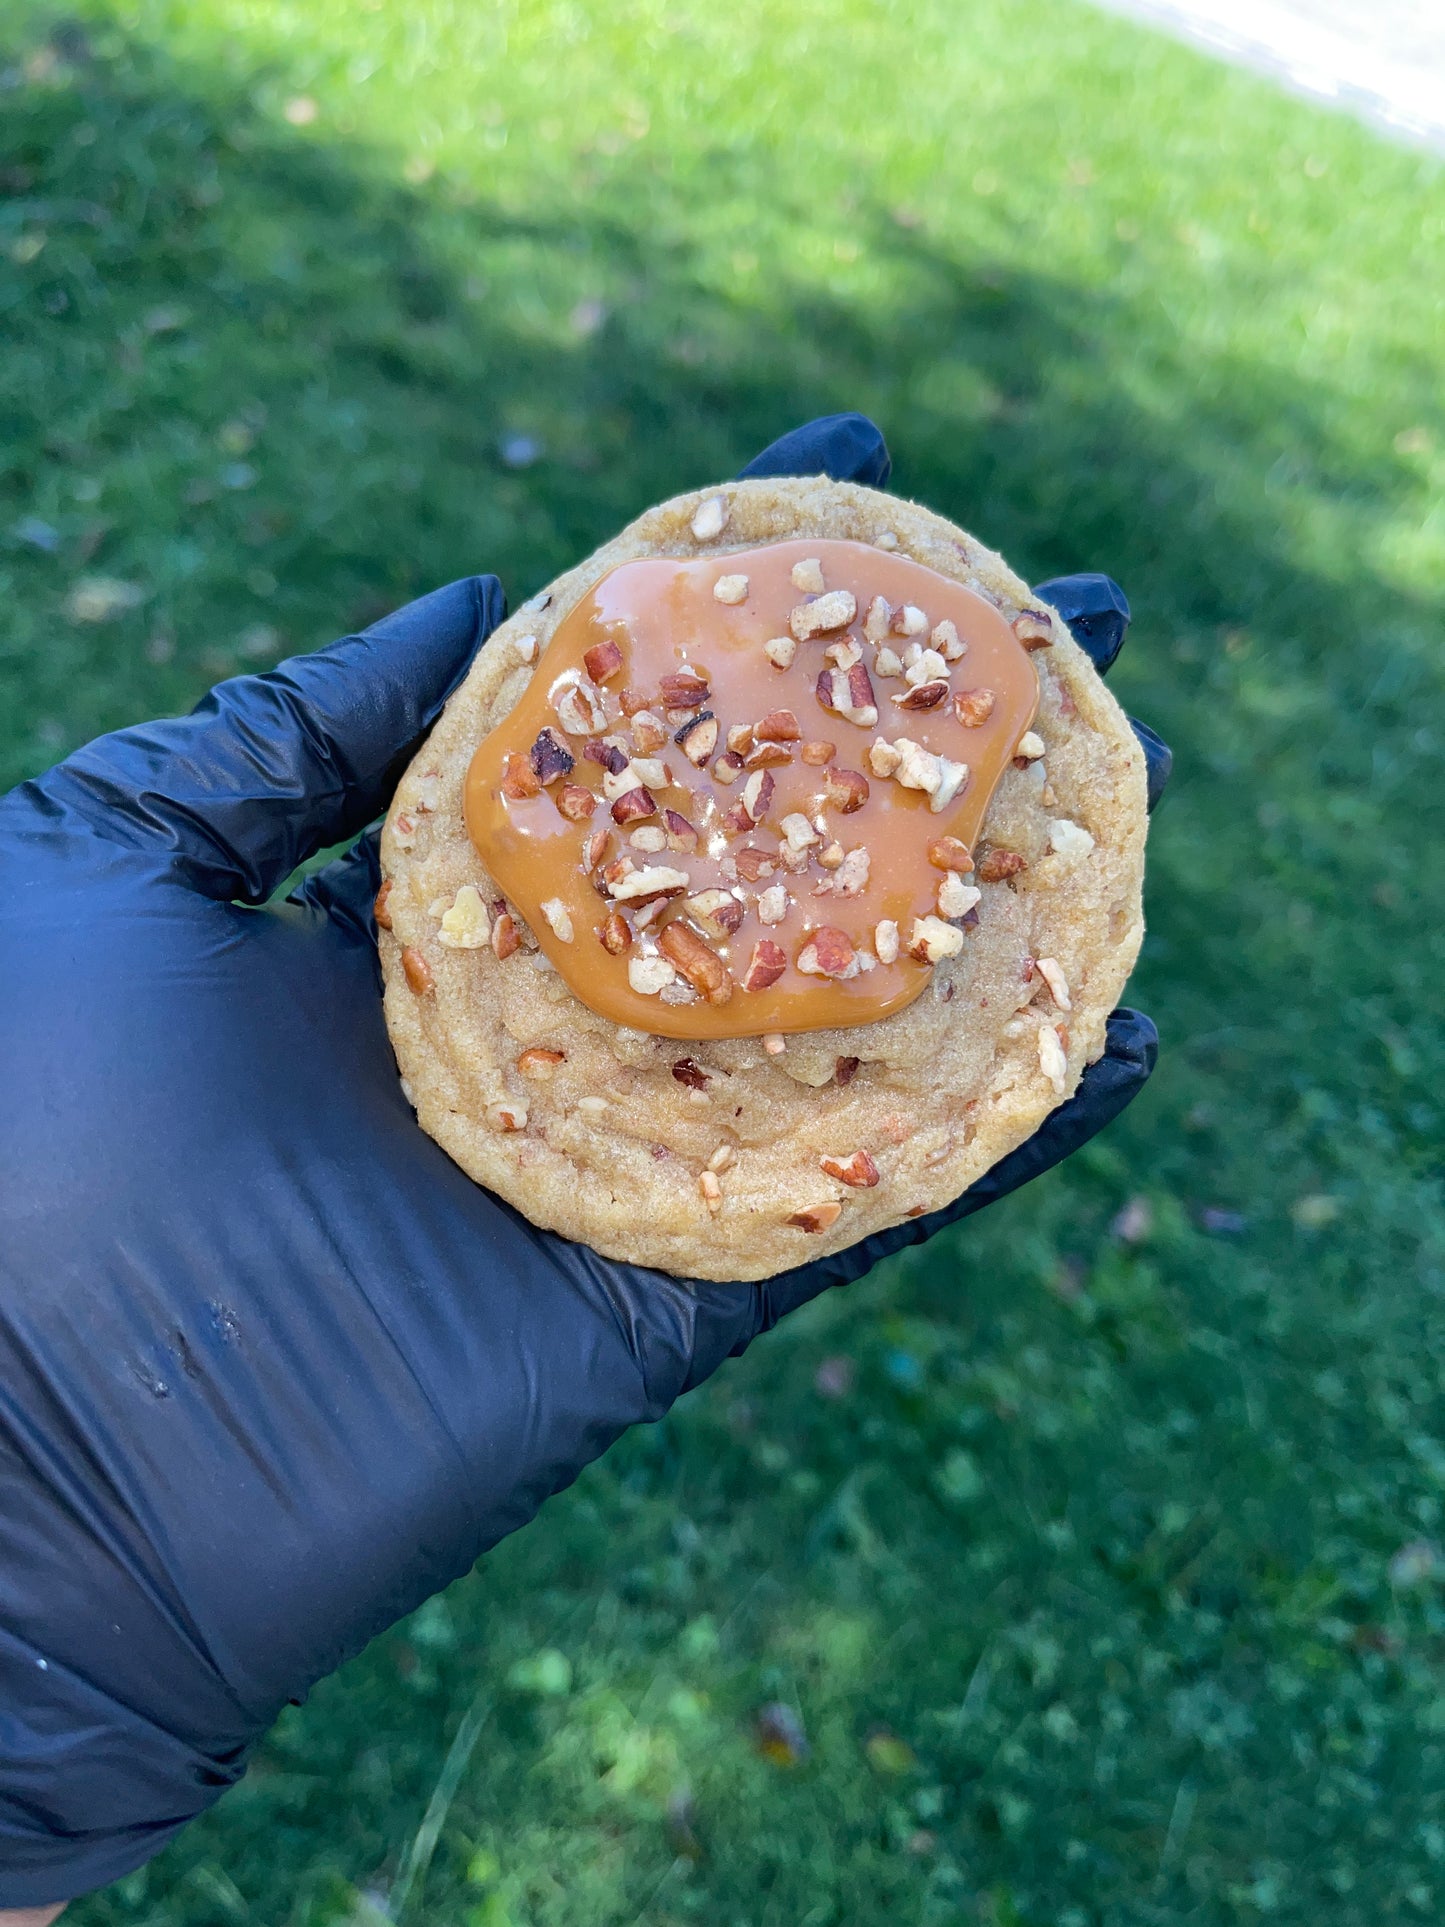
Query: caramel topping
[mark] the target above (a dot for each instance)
(740, 794)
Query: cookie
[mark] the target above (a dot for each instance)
(838, 835)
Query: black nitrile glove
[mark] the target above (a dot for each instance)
(272, 1368)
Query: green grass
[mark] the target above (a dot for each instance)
(1106, 1533)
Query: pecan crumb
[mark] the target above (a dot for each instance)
(845, 1070)
(815, 1217)
(379, 909)
(418, 972)
(858, 1170)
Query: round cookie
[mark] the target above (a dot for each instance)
(718, 1172)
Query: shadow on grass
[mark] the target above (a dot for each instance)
(270, 393)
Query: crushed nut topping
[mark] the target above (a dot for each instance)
(379, 908)
(417, 971)
(815, 1217)
(539, 1061)
(1052, 1059)
(858, 1170)
(688, 848)
(1052, 973)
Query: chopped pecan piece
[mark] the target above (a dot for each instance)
(506, 937)
(973, 706)
(923, 695)
(885, 941)
(683, 690)
(703, 968)
(519, 779)
(681, 834)
(858, 1170)
(946, 640)
(955, 897)
(611, 756)
(767, 964)
(848, 693)
(780, 651)
(846, 790)
(757, 796)
(379, 909)
(507, 1117)
(559, 919)
(815, 1217)
(649, 732)
(715, 912)
(931, 940)
(829, 953)
(1031, 746)
(697, 739)
(631, 700)
(997, 866)
(602, 660)
(908, 621)
(650, 976)
(875, 623)
(711, 1190)
(768, 756)
(728, 767)
(575, 802)
(1033, 629)
(773, 904)
(710, 518)
(816, 754)
(465, 923)
(731, 589)
(652, 880)
(615, 934)
(539, 1061)
(808, 576)
(417, 971)
(740, 738)
(579, 706)
(947, 853)
(753, 863)
(1052, 1059)
(778, 726)
(1052, 973)
(688, 1071)
(638, 801)
(550, 757)
(845, 1070)
(820, 618)
(596, 848)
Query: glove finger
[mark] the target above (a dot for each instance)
(847, 448)
(1096, 610)
(269, 769)
(1158, 759)
(1106, 1088)
(346, 889)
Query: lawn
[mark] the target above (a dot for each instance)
(1096, 1550)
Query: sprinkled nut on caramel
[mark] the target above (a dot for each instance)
(923, 695)
(828, 954)
(947, 853)
(875, 623)
(757, 796)
(772, 904)
(649, 732)
(973, 707)
(710, 519)
(846, 790)
(731, 589)
(519, 779)
(602, 660)
(538, 1061)
(683, 690)
(576, 803)
(815, 1217)
(752, 864)
(559, 919)
(638, 801)
(831, 858)
(728, 767)
(848, 693)
(807, 576)
(550, 757)
(1033, 629)
(419, 979)
(631, 700)
(652, 880)
(716, 913)
(615, 934)
(651, 837)
(505, 936)
(768, 756)
(997, 866)
(946, 640)
(778, 726)
(649, 976)
(780, 651)
(379, 909)
(698, 739)
(885, 941)
(740, 738)
(703, 968)
(767, 964)
(884, 759)
(681, 834)
(858, 1170)
(610, 755)
(829, 613)
(579, 706)
(909, 620)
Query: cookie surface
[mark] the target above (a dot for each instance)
(719, 1158)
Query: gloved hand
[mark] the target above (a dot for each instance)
(272, 1369)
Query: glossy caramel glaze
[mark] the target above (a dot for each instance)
(575, 847)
